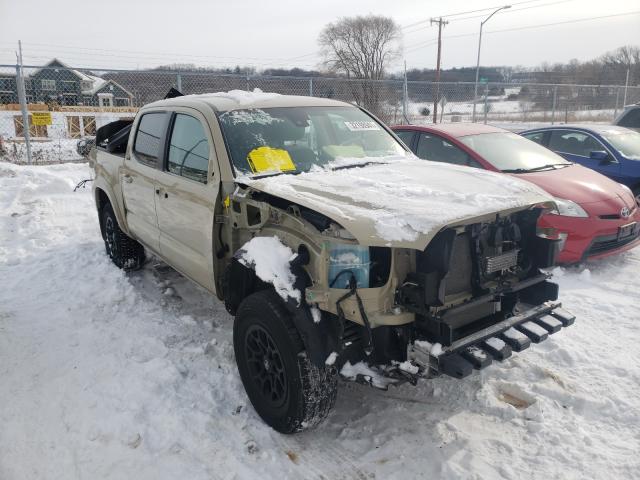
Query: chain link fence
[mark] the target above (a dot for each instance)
(66, 104)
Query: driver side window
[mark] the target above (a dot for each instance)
(188, 149)
(574, 143)
(437, 149)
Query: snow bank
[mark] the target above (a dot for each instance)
(270, 259)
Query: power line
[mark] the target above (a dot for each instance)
(468, 11)
(157, 54)
(516, 10)
(504, 12)
(525, 27)
(73, 53)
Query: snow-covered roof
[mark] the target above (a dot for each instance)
(96, 82)
(7, 71)
(241, 99)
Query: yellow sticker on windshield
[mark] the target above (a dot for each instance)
(267, 159)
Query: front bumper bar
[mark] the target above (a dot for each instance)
(496, 342)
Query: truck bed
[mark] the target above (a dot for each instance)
(114, 136)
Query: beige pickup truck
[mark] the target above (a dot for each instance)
(337, 250)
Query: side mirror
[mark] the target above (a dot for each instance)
(600, 155)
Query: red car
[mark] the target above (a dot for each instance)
(596, 216)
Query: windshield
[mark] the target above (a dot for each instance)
(297, 139)
(511, 152)
(627, 143)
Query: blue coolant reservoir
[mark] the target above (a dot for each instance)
(352, 258)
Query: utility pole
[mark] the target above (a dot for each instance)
(441, 23)
(22, 98)
(405, 96)
(626, 87)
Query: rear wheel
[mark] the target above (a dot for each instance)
(285, 388)
(123, 250)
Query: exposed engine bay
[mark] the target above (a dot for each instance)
(477, 293)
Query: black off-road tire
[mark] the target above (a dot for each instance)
(284, 387)
(124, 251)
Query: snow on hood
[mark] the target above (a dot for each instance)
(405, 202)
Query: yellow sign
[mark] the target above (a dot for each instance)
(267, 159)
(41, 118)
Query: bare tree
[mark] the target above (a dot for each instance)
(623, 59)
(362, 48)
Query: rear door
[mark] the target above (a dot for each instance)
(188, 186)
(576, 146)
(138, 178)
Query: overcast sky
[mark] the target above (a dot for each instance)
(140, 34)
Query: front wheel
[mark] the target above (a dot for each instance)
(123, 250)
(285, 388)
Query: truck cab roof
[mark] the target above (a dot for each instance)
(240, 99)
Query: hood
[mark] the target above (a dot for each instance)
(403, 203)
(581, 185)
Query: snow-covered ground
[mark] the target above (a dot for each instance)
(106, 375)
(42, 152)
(502, 110)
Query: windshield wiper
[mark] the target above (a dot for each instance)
(535, 169)
(273, 174)
(354, 165)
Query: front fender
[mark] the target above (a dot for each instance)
(320, 338)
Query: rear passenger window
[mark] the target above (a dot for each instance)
(432, 147)
(149, 138)
(188, 149)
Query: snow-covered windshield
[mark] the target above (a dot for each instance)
(297, 139)
(510, 152)
(627, 143)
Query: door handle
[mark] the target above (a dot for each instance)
(128, 178)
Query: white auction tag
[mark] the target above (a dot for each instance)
(361, 126)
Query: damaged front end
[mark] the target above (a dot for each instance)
(477, 293)
(387, 314)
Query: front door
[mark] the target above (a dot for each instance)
(576, 146)
(188, 188)
(138, 178)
